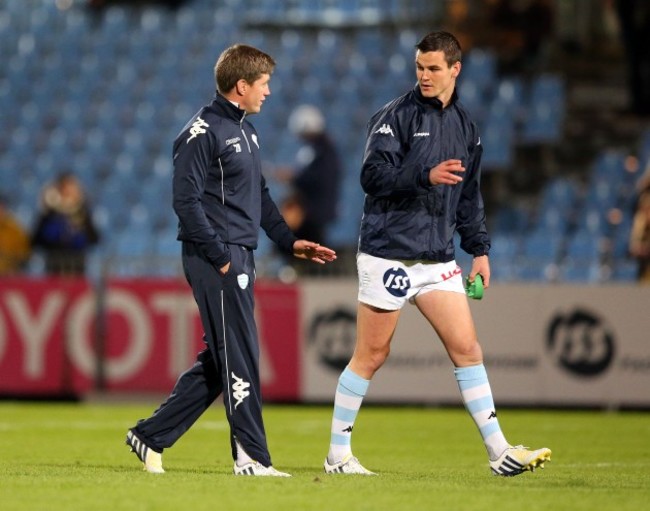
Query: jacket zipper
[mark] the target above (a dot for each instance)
(241, 127)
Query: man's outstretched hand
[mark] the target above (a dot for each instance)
(311, 251)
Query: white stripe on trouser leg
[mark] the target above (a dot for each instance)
(225, 349)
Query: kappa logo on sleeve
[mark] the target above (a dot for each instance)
(197, 128)
(385, 129)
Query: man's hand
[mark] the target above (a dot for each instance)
(443, 173)
(481, 264)
(304, 249)
(224, 269)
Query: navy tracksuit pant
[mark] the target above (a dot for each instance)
(229, 364)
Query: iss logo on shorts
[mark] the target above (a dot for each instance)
(397, 282)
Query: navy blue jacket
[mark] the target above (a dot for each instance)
(219, 193)
(404, 216)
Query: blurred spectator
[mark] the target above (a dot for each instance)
(458, 21)
(64, 228)
(640, 237)
(523, 31)
(313, 199)
(14, 242)
(634, 18)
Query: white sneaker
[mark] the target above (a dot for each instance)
(151, 460)
(518, 459)
(349, 465)
(255, 468)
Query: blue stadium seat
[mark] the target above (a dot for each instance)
(503, 273)
(115, 21)
(498, 139)
(602, 193)
(584, 246)
(552, 220)
(545, 111)
(471, 96)
(609, 164)
(561, 194)
(593, 220)
(505, 248)
(497, 150)
(166, 244)
(480, 66)
(543, 246)
(587, 271)
(536, 271)
(510, 93)
(625, 270)
(511, 219)
(132, 243)
(620, 238)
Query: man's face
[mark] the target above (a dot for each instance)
(254, 94)
(71, 192)
(435, 78)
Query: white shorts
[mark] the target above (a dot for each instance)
(388, 284)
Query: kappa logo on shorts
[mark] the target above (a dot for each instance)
(397, 282)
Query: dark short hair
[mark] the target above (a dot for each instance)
(241, 62)
(444, 42)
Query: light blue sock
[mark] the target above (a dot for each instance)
(349, 394)
(477, 396)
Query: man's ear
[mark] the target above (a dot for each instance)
(456, 69)
(242, 86)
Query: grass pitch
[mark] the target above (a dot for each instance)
(72, 457)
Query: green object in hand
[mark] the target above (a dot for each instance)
(474, 289)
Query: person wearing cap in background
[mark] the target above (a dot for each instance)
(311, 205)
(64, 230)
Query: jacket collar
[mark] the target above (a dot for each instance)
(228, 109)
(433, 102)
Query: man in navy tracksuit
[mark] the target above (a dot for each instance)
(421, 176)
(221, 200)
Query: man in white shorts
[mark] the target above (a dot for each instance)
(421, 176)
